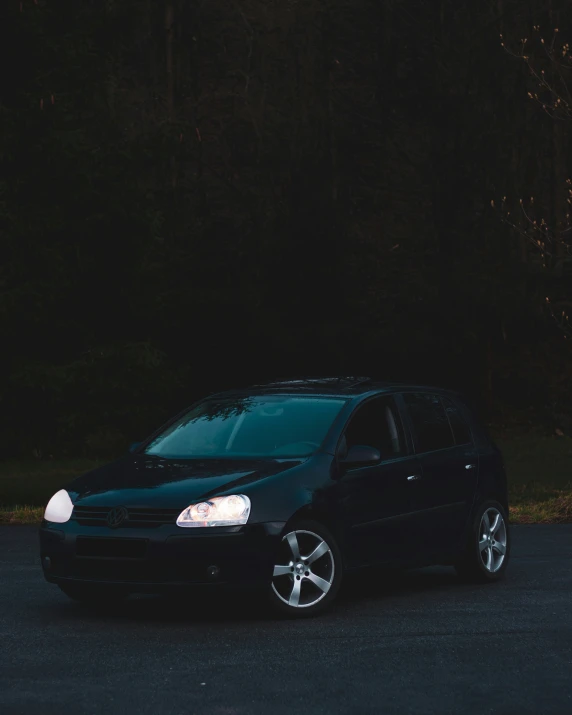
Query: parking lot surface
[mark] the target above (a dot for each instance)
(420, 642)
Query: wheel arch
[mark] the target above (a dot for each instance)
(311, 512)
(493, 487)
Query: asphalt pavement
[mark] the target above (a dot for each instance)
(420, 642)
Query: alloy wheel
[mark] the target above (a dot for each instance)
(492, 540)
(306, 569)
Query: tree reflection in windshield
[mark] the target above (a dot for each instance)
(261, 426)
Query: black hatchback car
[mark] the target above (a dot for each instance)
(286, 487)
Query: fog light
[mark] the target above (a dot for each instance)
(213, 571)
(47, 562)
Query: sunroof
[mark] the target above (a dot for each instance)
(318, 382)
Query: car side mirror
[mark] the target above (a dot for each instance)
(361, 455)
(133, 447)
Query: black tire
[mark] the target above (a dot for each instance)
(327, 568)
(472, 565)
(94, 594)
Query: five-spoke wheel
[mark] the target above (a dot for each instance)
(488, 545)
(308, 568)
(492, 539)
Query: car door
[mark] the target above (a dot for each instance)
(372, 500)
(442, 496)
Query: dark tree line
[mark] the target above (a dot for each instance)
(200, 194)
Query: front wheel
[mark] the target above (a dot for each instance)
(94, 594)
(308, 570)
(487, 551)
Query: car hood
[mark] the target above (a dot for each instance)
(140, 480)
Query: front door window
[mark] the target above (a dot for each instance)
(377, 424)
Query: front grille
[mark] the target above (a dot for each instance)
(93, 546)
(145, 517)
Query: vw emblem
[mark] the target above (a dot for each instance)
(117, 516)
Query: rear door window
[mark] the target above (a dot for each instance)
(461, 430)
(430, 422)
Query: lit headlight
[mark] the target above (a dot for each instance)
(59, 508)
(218, 511)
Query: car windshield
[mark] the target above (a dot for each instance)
(262, 426)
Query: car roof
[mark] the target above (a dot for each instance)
(343, 386)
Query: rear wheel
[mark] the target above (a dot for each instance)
(307, 572)
(94, 594)
(487, 551)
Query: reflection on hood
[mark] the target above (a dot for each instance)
(143, 479)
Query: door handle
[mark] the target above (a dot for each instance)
(470, 466)
(413, 477)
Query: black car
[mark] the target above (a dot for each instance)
(286, 487)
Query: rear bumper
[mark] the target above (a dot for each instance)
(161, 559)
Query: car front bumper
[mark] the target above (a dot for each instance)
(159, 559)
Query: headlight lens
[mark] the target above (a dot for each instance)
(218, 511)
(60, 507)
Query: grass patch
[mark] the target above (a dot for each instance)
(33, 482)
(556, 510)
(539, 470)
(22, 515)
